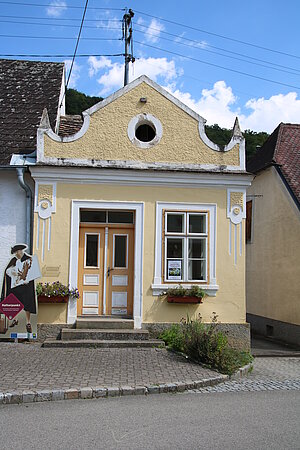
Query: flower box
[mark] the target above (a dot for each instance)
(184, 299)
(55, 299)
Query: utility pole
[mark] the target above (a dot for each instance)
(127, 36)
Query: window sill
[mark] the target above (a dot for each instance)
(210, 289)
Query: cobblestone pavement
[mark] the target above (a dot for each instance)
(269, 374)
(28, 366)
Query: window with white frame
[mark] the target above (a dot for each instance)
(186, 246)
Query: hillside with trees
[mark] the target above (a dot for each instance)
(76, 102)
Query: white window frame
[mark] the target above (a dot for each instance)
(185, 235)
(98, 250)
(159, 285)
(113, 261)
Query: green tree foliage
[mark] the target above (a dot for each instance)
(76, 101)
(222, 136)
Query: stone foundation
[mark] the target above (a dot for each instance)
(238, 334)
(52, 331)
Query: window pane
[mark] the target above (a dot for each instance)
(120, 217)
(197, 270)
(91, 251)
(174, 248)
(175, 223)
(93, 216)
(120, 251)
(197, 223)
(197, 248)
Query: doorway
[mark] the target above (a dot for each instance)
(106, 263)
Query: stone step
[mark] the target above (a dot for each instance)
(70, 334)
(150, 343)
(104, 323)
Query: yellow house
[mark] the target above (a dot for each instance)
(136, 201)
(273, 237)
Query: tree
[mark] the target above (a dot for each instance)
(76, 101)
(222, 136)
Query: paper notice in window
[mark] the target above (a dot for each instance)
(174, 270)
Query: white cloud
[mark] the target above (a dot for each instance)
(56, 12)
(216, 105)
(153, 31)
(268, 113)
(112, 79)
(220, 105)
(75, 75)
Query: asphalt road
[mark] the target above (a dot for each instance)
(233, 420)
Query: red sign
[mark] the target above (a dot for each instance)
(11, 306)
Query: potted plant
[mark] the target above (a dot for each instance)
(55, 292)
(179, 294)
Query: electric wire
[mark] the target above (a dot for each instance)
(217, 65)
(60, 37)
(178, 39)
(227, 56)
(35, 55)
(198, 43)
(75, 51)
(47, 5)
(217, 35)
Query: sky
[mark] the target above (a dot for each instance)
(221, 58)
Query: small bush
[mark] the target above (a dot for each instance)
(205, 344)
(173, 337)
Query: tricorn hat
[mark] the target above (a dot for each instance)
(17, 247)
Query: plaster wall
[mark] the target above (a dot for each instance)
(12, 216)
(52, 313)
(229, 302)
(107, 138)
(273, 257)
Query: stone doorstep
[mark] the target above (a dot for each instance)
(30, 396)
(68, 334)
(97, 343)
(103, 323)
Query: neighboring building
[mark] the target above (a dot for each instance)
(138, 200)
(26, 88)
(273, 237)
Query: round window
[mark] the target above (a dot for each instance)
(145, 132)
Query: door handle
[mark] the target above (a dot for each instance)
(108, 271)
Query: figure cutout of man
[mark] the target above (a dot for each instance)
(15, 281)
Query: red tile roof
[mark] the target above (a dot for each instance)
(282, 149)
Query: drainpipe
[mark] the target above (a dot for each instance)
(22, 183)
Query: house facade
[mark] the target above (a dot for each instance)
(136, 201)
(273, 237)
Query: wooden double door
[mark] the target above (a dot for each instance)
(105, 270)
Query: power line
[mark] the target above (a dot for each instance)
(75, 51)
(45, 5)
(66, 25)
(226, 56)
(218, 35)
(82, 55)
(59, 37)
(216, 65)
(197, 43)
(61, 18)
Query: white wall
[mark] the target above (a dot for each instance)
(12, 216)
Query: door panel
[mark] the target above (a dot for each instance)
(108, 249)
(120, 271)
(90, 270)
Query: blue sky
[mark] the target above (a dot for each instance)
(213, 85)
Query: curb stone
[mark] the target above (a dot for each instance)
(30, 396)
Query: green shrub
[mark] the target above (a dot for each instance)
(173, 337)
(205, 344)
